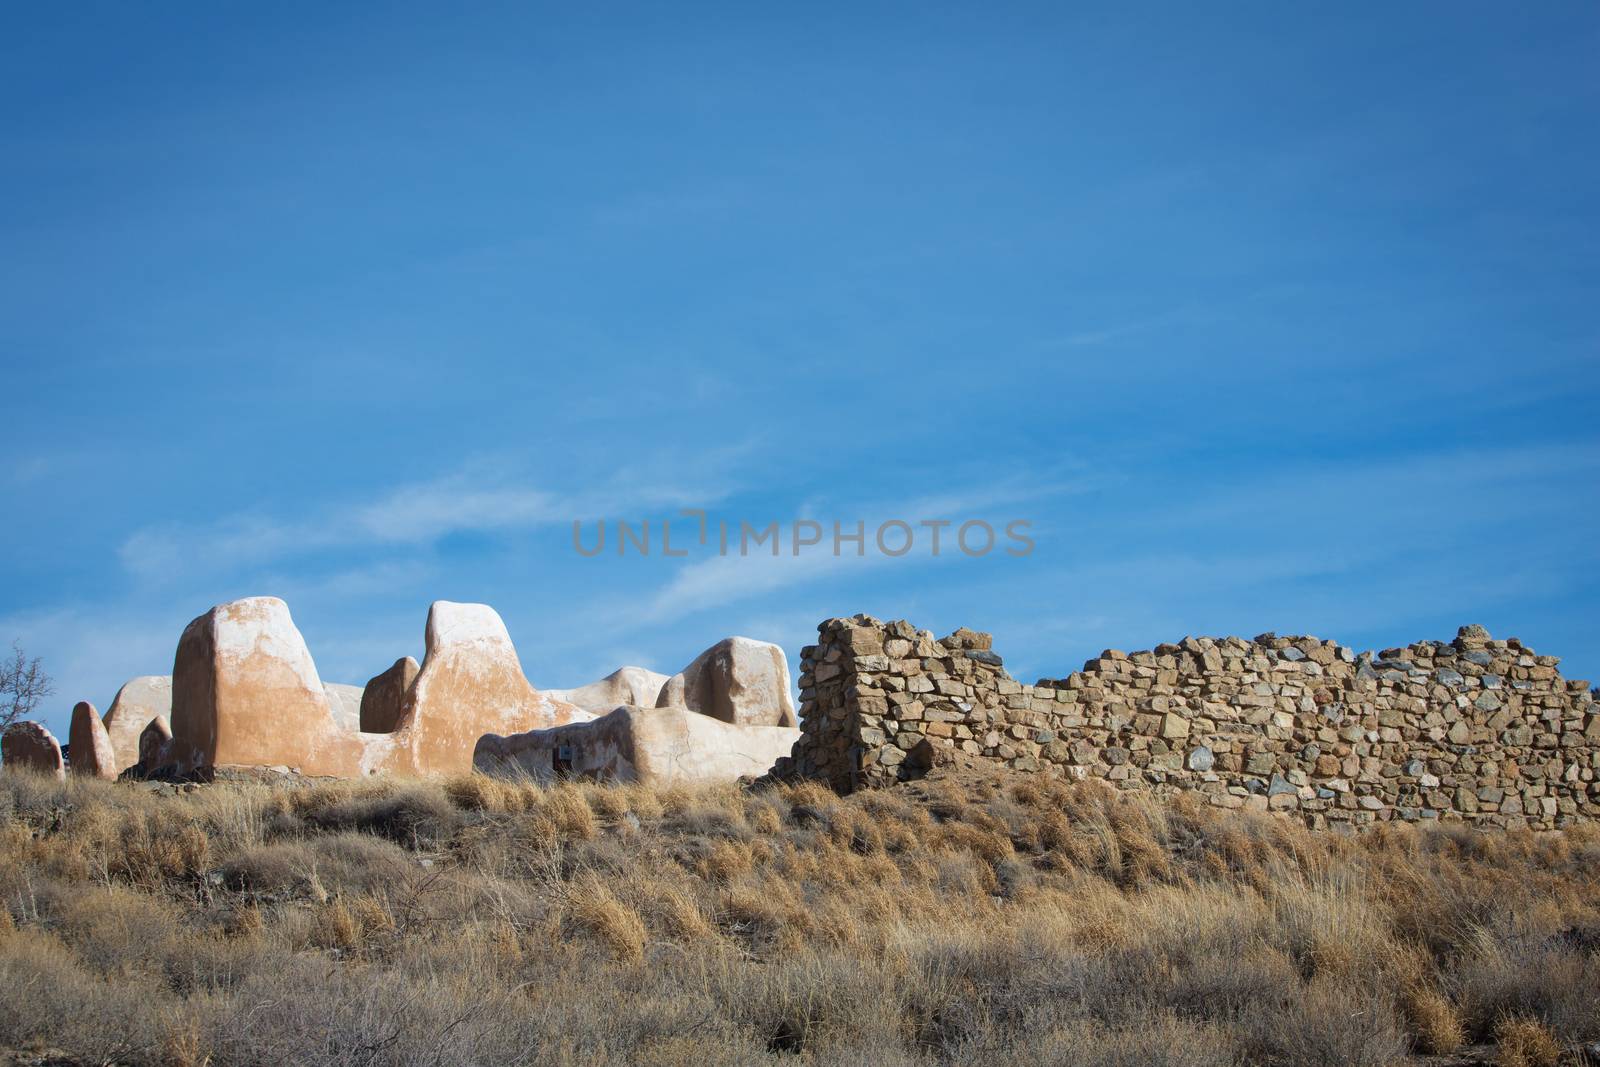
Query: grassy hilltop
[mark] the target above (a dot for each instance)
(970, 918)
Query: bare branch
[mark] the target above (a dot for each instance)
(23, 685)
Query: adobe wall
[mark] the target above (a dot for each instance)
(1474, 729)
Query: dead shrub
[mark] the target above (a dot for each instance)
(52, 999)
(156, 846)
(416, 816)
(350, 862)
(116, 931)
(1551, 979)
(269, 867)
(358, 863)
(816, 1003)
(1323, 1025)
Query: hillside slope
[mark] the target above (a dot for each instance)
(969, 918)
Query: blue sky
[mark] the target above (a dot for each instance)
(1282, 317)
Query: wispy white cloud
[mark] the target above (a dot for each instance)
(25, 470)
(420, 513)
(721, 580)
(725, 579)
(1091, 338)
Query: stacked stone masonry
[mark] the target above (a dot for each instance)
(1475, 729)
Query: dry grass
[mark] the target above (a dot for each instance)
(1526, 1043)
(958, 921)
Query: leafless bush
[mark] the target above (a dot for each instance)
(23, 684)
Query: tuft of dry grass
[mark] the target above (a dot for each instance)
(1525, 1043)
(182, 1046)
(616, 925)
(1433, 1020)
(958, 920)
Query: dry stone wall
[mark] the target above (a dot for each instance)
(1473, 729)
